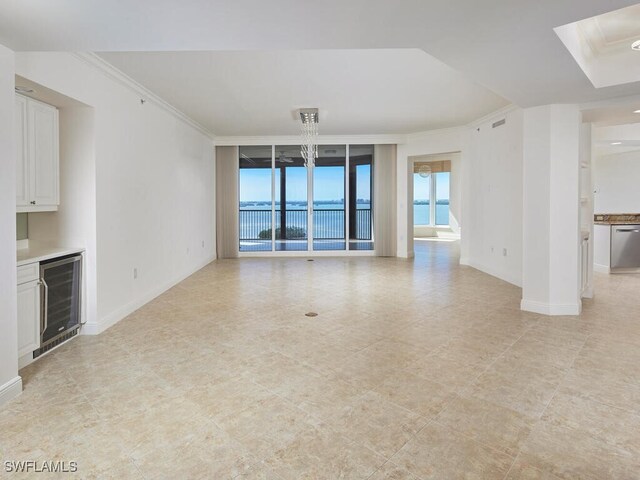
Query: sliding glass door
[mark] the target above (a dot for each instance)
(360, 197)
(329, 209)
(255, 217)
(285, 206)
(291, 200)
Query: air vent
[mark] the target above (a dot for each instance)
(55, 343)
(499, 123)
(330, 152)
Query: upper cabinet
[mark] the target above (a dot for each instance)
(37, 157)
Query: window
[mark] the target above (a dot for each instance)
(441, 181)
(285, 206)
(431, 195)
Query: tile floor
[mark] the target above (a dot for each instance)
(416, 369)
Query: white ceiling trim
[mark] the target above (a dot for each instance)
(322, 140)
(123, 79)
(492, 116)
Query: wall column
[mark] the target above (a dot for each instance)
(10, 381)
(551, 210)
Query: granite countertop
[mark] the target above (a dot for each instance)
(616, 218)
(34, 254)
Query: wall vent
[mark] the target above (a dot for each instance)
(499, 123)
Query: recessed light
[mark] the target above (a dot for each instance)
(21, 89)
(636, 111)
(636, 45)
(616, 143)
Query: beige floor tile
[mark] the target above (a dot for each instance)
(316, 454)
(612, 425)
(490, 424)
(389, 471)
(422, 396)
(217, 380)
(439, 452)
(524, 471)
(574, 454)
(378, 424)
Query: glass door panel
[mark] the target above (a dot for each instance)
(442, 198)
(255, 176)
(291, 200)
(360, 197)
(329, 218)
(421, 199)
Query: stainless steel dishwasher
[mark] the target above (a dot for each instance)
(625, 247)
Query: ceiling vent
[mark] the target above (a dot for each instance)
(499, 123)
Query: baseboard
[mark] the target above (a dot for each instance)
(550, 309)
(494, 272)
(10, 390)
(601, 268)
(117, 315)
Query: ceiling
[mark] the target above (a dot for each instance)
(357, 91)
(601, 46)
(507, 46)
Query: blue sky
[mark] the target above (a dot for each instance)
(255, 184)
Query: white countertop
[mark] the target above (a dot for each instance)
(34, 254)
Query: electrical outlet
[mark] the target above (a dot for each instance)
(492, 249)
(188, 250)
(135, 273)
(202, 243)
(504, 252)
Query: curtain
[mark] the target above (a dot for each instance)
(227, 203)
(385, 200)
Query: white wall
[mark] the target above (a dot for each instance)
(492, 208)
(74, 224)
(617, 183)
(551, 213)
(154, 185)
(10, 383)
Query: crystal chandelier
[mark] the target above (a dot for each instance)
(309, 143)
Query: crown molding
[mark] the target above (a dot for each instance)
(428, 133)
(491, 116)
(123, 79)
(322, 140)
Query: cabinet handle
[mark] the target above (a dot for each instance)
(33, 202)
(44, 321)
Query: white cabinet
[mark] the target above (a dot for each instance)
(22, 160)
(37, 156)
(28, 317)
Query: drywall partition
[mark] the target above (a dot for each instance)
(74, 224)
(227, 202)
(384, 198)
(492, 209)
(551, 269)
(617, 180)
(10, 382)
(154, 177)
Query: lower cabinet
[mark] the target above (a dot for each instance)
(28, 317)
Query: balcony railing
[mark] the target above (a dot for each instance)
(329, 224)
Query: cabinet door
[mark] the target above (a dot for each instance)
(43, 153)
(28, 317)
(22, 160)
